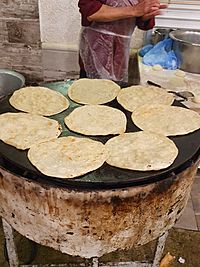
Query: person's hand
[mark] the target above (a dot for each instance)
(146, 7)
(153, 13)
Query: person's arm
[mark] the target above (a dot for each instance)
(145, 25)
(89, 7)
(108, 13)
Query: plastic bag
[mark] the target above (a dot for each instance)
(145, 50)
(162, 54)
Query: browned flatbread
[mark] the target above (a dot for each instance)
(166, 120)
(135, 96)
(142, 151)
(96, 120)
(68, 157)
(39, 100)
(22, 130)
(93, 91)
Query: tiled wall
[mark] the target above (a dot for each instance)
(20, 47)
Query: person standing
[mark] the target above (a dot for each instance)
(107, 27)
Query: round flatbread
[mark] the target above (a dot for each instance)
(68, 157)
(141, 151)
(93, 91)
(96, 120)
(22, 130)
(39, 100)
(135, 96)
(166, 120)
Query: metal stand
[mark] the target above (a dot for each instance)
(14, 261)
(10, 245)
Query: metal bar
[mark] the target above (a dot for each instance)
(55, 265)
(14, 262)
(159, 250)
(10, 244)
(95, 262)
(182, 2)
(111, 264)
(127, 264)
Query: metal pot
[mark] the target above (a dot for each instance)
(186, 46)
(159, 35)
(10, 81)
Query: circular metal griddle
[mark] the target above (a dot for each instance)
(106, 177)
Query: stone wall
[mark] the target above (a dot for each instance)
(20, 46)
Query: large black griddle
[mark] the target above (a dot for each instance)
(106, 177)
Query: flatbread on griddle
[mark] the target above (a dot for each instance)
(135, 96)
(39, 100)
(141, 151)
(93, 91)
(68, 157)
(166, 120)
(96, 120)
(22, 130)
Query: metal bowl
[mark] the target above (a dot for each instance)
(10, 81)
(159, 35)
(187, 49)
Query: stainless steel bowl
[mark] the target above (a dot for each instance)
(186, 46)
(159, 35)
(10, 81)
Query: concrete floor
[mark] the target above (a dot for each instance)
(190, 219)
(183, 241)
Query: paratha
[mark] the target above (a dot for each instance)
(135, 96)
(39, 100)
(141, 151)
(93, 91)
(68, 157)
(166, 120)
(96, 120)
(22, 130)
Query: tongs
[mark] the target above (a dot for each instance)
(186, 95)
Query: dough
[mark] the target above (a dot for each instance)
(180, 73)
(157, 67)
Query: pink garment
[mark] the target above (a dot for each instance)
(104, 47)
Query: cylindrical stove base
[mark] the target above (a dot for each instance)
(93, 223)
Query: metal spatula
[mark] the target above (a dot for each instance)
(186, 95)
